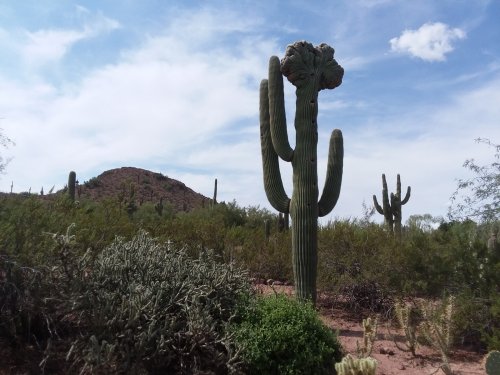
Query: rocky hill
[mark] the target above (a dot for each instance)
(140, 186)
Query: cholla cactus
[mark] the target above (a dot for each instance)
(310, 69)
(356, 366)
(492, 363)
(407, 319)
(369, 336)
(436, 326)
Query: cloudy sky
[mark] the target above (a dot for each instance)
(172, 86)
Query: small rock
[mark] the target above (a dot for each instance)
(402, 367)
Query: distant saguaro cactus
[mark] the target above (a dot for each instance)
(71, 185)
(159, 207)
(310, 69)
(391, 209)
(214, 201)
(267, 229)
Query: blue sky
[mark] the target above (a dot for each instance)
(172, 86)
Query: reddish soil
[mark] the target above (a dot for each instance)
(394, 361)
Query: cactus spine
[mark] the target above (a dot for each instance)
(391, 209)
(310, 69)
(71, 185)
(492, 363)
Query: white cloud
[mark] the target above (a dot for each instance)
(165, 103)
(431, 42)
(44, 46)
(48, 45)
(207, 23)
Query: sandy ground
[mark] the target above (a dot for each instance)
(391, 359)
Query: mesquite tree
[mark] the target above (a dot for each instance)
(478, 197)
(310, 69)
(4, 142)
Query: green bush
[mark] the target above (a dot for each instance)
(280, 335)
(151, 307)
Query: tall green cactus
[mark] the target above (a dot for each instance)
(71, 185)
(310, 69)
(391, 209)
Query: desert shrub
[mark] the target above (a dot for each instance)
(256, 216)
(471, 318)
(265, 259)
(491, 330)
(275, 259)
(36, 302)
(151, 307)
(199, 230)
(22, 293)
(280, 335)
(359, 261)
(94, 182)
(366, 294)
(23, 222)
(477, 319)
(146, 217)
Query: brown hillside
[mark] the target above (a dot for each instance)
(143, 186)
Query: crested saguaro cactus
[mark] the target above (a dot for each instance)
(391, 209)
(310, 69)
(71, 185)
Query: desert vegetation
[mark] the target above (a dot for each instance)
(87, 287)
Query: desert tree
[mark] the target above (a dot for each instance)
(4, 142)
(478, 197)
